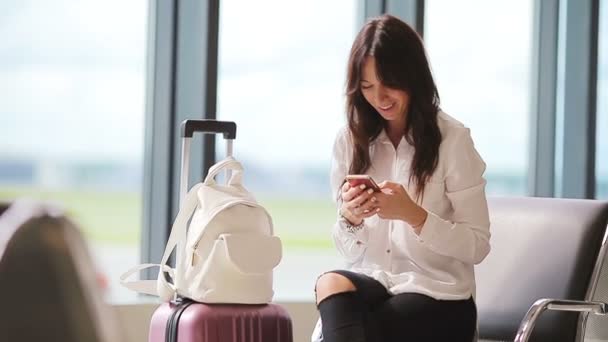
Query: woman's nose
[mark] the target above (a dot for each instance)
(380, 93)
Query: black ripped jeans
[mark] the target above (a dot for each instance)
(372, 314)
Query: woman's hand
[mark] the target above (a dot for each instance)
(358, 203)
(394, 203)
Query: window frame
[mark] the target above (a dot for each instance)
(577, 88)
(183, 63)
(543, 102)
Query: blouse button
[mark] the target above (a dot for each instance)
(388, 251)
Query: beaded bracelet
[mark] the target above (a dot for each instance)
(350, 227)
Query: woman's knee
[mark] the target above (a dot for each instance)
(331, 283)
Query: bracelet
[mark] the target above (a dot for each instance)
(350, 227)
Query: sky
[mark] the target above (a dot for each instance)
(72, 79)
(72, 75)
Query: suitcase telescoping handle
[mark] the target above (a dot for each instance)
(228, 128)
(188, 128)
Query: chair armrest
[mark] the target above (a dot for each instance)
(527, 324)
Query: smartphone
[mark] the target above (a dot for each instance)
(356, 180)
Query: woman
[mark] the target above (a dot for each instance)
(411, 247)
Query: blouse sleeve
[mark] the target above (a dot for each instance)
(350, 245)
(467, 237)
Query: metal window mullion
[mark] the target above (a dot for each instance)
(211, 80)
(368, 9)
(543, 98)
(410, 11)
(158, 138)
(579, 98)
(196, 54)
(182, 82)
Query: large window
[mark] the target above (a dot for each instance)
(71, 117)
(601, 161)
(281, 78)
(480, 52)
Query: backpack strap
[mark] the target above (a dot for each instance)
(177, 239)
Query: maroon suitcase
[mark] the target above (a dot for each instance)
(189, 321)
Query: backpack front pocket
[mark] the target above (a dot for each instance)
(238, 270)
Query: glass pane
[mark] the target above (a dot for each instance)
(71, 117)
(282, 70)
(481, 62)
(601, 161)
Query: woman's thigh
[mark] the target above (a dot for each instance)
(370, 291)
(416, 317)
(371, 294)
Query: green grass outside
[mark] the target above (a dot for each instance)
(109, 217)
(302, 223)
(115, 217)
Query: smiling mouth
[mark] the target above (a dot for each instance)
(387, 107)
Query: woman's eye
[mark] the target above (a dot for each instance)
(365, 86)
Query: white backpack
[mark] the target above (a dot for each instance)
(229, 251)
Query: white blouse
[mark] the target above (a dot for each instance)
(439, 262)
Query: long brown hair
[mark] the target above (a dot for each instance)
(401, 63)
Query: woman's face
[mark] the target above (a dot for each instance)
(392, 104)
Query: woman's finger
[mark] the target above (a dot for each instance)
(351, 193)
(345, 187)
(370, 213)
(392, 187)
(371, 203)
(364, 208)
(389, 185)
(362, 197)
(353, 208)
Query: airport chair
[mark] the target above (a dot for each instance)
(545, 278)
